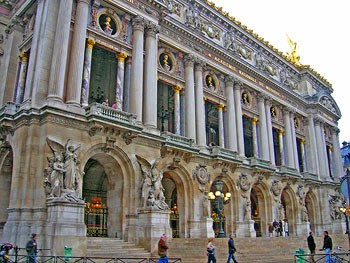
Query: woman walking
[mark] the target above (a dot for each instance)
(211, 248)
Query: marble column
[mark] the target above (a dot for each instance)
(255, 138)
(190, 98)
(338, 160)
(60, 52)
(311, 146)
(221, 125)
(231, 115)
(182, 113)
(331, 163)
(77, 53)
(264, 141)
(120, 81)
(269, 130)
(177, 125)
(289, 140)
(200, 110)
(302, 144)
(127, 81)
(22, 77)
(319, 144)
(280, 141)
(150, 81)
(239, 122)
(136, 87)
(324, 148)
(86, 73)
(294, 140)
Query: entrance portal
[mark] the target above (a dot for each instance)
(5, 186)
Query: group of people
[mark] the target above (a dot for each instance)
(279, 228)
(211, 248)
(327, 245)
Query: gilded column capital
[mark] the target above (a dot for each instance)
(204, 99)
(151, 28)
(238, 84)
(330, 148)
(220, 107)
(138, 23)
(121, 56)
(302, 141)
(23, 56)
(189, 60)
(281, 132)
(90, 43)
(177, 89)
(254, 121)
(229, 80)
(199, 64)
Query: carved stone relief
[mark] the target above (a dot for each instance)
(276, 189)
(243, 183)
(202, 176)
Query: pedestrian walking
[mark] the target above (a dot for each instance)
(231, 250)
(270, 230)
(163, 249)
(280, 228)
(286, 227)
(312, 246)
(275, 226)
(32, 249)
(327, 245)
(211, 248)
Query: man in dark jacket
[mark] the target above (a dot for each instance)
(327, 241)
(32, 249)
(231, 250)
(312, 246)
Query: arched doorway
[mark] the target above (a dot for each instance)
(5, 185)
(103, 193)
(175, 199)
(310, 201)
(259, 209)
(289, 205)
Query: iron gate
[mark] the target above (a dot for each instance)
(96, 221)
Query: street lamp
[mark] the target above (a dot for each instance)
(219, 199)
(343, 210)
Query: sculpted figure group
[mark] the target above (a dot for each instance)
(62, 177)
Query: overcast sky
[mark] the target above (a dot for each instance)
(321, 29)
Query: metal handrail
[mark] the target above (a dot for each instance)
(15, 258)
(335, 255)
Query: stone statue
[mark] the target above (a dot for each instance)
(206, 205)
(248, 211)
(335, 203)
(287, 80)
(230, 41)
(304, 214)
(152, 188)
(281, 211)
(63, 178)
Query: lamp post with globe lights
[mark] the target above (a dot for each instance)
(343, 210)
(219, 199)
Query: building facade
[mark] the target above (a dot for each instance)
(120, 116)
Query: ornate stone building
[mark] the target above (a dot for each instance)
(119, 116)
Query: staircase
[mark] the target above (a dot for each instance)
(250, 250)
(114, 247)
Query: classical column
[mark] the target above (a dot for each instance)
(231, 114)
(237, 97)
(177, 125)
(320, 151)
(269, 130)
(280, 141)
(200, 113)
(338, 160)
(264, 141)
(86, 72)
(127, 81)
(324, 148)
(302, 144)
(120, 81)
(60, 52)
(221, 125)
(331, 163)
(190, 98)
(136, 90)
(255, 138)
(182, 113)
(289, 140)
(294, 140)
(311, 146)
(150, 88)
(22, 77)
(77, 53)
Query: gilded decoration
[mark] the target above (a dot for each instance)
(274, 112)
(294, 54)
(247, 99)
(211, 81)
(109, 22)
(170, 61)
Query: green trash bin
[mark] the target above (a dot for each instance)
(67, 253)
(300, 252)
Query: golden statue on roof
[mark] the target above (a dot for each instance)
(294, 55)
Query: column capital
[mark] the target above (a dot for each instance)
(268, 99)
(254, 121)
(90, 43)
(229, 80)
(121, 56)
(23, 56)
(204, 99)
(318, 121)
(335, 130)
(177, 89)
(189, 60)
(151, 28)
(238, 84)
(199, 64)
(262, 97)
(330, 148)
(220, 107)
(286, 110)
(138, 23)
(302, 141)
(281, 132)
